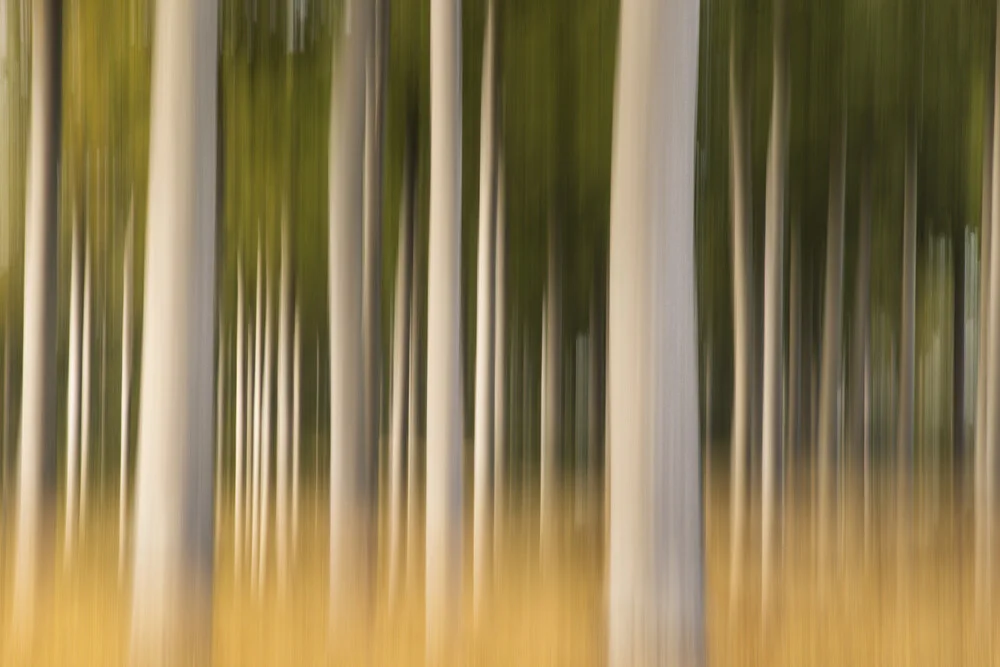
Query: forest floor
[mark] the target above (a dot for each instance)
(880, 603)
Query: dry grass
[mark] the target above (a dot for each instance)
(883, 605)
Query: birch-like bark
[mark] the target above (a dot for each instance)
(36, 493)
(741, 323)
(126, 390)
(831, 356)
(257, 384)
(239, 427)
(265, 436)
(283, 436)
(444, 381)
(400, 373)
(173, 557)
(774, 240)
(482, 493)
(72, 397)
(350, 534)
(86, 355)
(656, 604)
(500, 443)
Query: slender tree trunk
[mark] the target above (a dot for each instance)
(372, 293)
(551, 417)
(172, 584)
(35, 532)
(126, 387)
(284, 398)
(257, 393)
(85, 379)
(240, 426)
(986, 226)
(832, 326)
(483, 443)
(265, 436)
(992, 365)
(220, 389)
(72, 397)
(296, 426)
(774, 240)
(414, 460)
(350, 534)
(862, 338)
(741, 323)
(958, 358)
(500, 432)
(400, 372)
(444, 368)
(656, 603)
(904, 424)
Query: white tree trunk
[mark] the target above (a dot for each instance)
(741, 326)
(992, 365)
(240, 426)
(125, 399)
(265, 437)
(284, 397)
(85, 379)
(986, 225)
(296, 426)
(774, 241)
(400, 381)
(444, 368)
(258, 360)
(499, 365)
(656, 608)
(72, 397)
(172, 584)
(350, 534)
(483, 436)
(35, 536)
(830, 371)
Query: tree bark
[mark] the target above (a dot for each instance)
(72, 396)
(741, 322)
(444, 381)
(484, 425)
(296, 426)
(35, 532)
(414, 460)
(284, 396)
(238, 446)
(350, 535)
(126, 387)
(656, 604)
(501, 446)
(172, 582)
(257, 393)
(85, 379)
(774, 240)
(265, 435)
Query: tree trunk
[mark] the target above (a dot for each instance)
(125, 399)
(172, 584)
(500, 432)
(85, 379)
(832, 327)
(239, 426)
(741, 322)
(907, 326)
(986, 225)
(656, 604)
(774, 240)
(400, 379)
(551, 417)
(36, 465)
(284, 397)
(413, 458)
(483, 443)
(862, 335)
(958, 352)
(350, 534)
(265, 434)
(72, 397)
(296, 426)
(257, 393)
(444, 362)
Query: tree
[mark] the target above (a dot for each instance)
(484, 425)
(265, 434)
(350, 535)
(444, 384)
(240, 426)
(774, 240)
(284, 397)
(296, 424)
(73, 396)
(500, 442)
(125, 398)
(36, 495)
(85, 378)
(258, 363)
(172, 581)
(655, 593)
